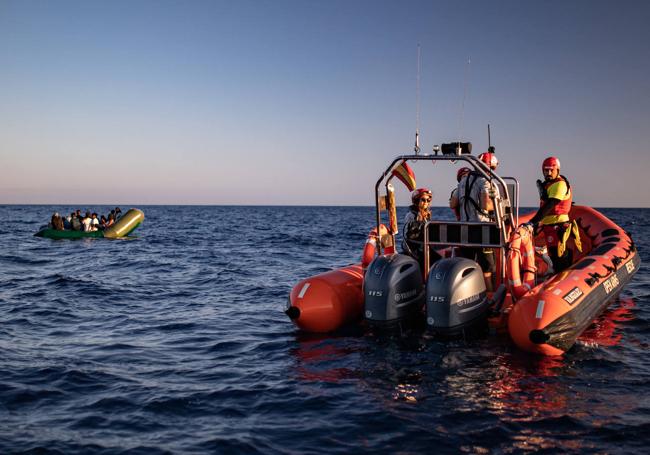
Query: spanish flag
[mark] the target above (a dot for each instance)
(406, 175)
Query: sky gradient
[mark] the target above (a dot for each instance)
(306, 102)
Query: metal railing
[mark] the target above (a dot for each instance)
(506, 213)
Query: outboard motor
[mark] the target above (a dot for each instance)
(393, 291)
(456, 297)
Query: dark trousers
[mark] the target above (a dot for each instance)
(560, 262)
(552, 234)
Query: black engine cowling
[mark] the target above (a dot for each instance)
(456, 298)
(393, 291)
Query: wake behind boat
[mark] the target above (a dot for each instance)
(126, 224)
(544, 312)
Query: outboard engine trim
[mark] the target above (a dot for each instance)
(393, 291)
(456, 297)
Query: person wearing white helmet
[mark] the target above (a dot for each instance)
(414, 222)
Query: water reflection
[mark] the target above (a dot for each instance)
(605, 329)
(320, 357)
(408, 388)
(485, 386)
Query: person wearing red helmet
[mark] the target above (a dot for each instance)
(556, 198)
(471, 198)
(421, 193)
(462, 172)
(472, 202)
(414, 222)
(453, 197)
(490, 160)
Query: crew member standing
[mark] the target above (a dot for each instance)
(453, 197)
(473, 202)
(553, 214)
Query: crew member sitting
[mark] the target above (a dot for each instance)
(414, 222)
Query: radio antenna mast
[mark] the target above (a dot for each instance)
(416, 149)
(489, 138)
(462, 105)
(490, 148)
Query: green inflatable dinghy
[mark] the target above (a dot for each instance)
(122, 227)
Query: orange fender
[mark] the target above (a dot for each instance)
(328, 301)
(532, 313)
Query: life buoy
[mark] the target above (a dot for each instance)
(370, 250)
(521, 258)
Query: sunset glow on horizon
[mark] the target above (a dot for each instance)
(305, 102)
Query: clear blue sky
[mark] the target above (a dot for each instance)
(306, 102)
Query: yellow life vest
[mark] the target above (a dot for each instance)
(558, 189)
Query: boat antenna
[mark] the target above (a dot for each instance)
(462, 104)
(489, 139)
(416, 149)
(490, 148)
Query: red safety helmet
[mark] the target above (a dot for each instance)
(463, 171)
(551, 163)
(490, 159)
(417, 194)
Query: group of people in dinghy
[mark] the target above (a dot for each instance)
(471, 201)
(88, 222)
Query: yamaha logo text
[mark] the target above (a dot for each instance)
(405, 295)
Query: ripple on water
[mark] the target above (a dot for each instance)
(175, 342)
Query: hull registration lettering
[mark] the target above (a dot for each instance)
(611, 283)
(573, 295)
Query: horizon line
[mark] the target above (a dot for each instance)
(273, 205)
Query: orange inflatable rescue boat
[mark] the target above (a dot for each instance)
(550, 317)
(543, 312)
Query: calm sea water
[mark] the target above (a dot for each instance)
(175, 341)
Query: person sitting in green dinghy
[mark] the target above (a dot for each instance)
(89, 226)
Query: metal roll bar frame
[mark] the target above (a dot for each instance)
(498, 199)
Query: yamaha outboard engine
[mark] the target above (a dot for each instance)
(456, 297)
(393, 291)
